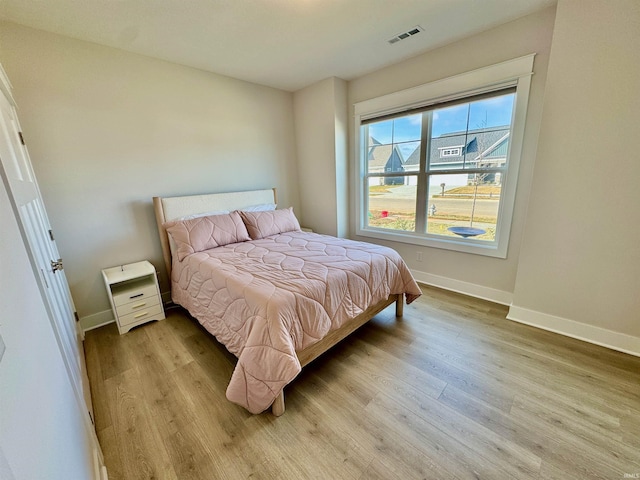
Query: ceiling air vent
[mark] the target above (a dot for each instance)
(407, 34)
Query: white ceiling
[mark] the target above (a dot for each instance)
(287, 44)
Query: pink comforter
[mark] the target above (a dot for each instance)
(266, 299)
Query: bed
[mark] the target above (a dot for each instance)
(277, 297)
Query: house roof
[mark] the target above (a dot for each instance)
(490, 142)
(379, 155)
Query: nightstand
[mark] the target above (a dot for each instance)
(134, 294)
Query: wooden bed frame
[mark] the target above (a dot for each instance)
(171, 208)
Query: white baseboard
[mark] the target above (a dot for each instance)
(570, 328)
(96, 320)
(466, 288)
(581, 331)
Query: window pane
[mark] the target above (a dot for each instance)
(471, 135)
(407, 129)
(491, 112)
(390, 143)
(392, 203)
(464, 205)
(384, 159)
(411, 155)
(381, 133)
(450, 120)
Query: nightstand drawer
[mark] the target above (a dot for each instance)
(138, 305)
(144, 314)
(134, 294)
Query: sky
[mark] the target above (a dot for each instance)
(490, 112)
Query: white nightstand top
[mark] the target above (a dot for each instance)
(123, 273)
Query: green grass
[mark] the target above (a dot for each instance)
(377, 216)
(468, 191)
(466, 218)
(395, 221)
(380, 189)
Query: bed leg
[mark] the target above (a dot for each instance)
(399, 305)
(277, 408)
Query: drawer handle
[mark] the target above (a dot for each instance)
(143, 314)
(139, 305)
(136, 296)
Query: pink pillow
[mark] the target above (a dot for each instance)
(263, 224)
(202, 233)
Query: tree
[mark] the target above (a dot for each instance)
(477, 178)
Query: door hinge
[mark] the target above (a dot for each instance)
(57, 265)
(75, 314)
(21, 138)
(51, 235)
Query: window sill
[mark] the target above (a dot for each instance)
(463, 246)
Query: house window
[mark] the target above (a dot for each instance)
(438, 164)
(450, 151)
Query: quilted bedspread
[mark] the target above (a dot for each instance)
(266, 299)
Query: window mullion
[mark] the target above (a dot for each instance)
(421, 196)
(390, 174)
(468, 171)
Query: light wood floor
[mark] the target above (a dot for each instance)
(454, 390)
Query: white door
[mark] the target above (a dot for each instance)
(23, 189)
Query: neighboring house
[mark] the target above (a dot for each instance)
(475, 148)
(385, 158)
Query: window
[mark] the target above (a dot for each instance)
(450, 151)
(438, 164)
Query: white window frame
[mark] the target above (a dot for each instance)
(516, 72)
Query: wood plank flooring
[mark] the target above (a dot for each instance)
(451, 391)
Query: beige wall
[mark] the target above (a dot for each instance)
(103, 143)
(580, 258)
(107, 130)
(321, 141)
(341, 98)
(482, 276)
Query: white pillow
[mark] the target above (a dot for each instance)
(198, 215)
(262, 207)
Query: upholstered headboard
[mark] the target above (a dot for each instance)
(172, 208)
